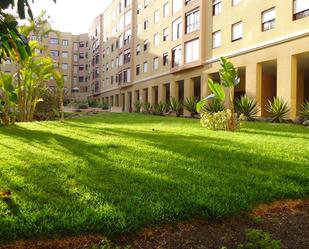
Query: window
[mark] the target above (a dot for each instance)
(127, 3)
(166, 9)
(65, 54)
(145, 45)
(235, 2)
(127, 56)
(75, 68)
(81, 68)
(145, 67)
(156, 16)
(65, 77)
(54, 53)
(155, 63)
(64, 66)
(216, 7)
(156, 39)
(176, 56)
(127, 18)
(75, 46)
(138, 69)
(177, 29)
(268, 19)
(75, 57)
(192, 21)
(146, 2)
(301, 9)
(81, 56)
(146, 24)
(237, 30)
(65, 43)
(192, 49)
(165, 59)
(81, 79)
(127, 37)
(138, 49)
(177, 5)
(188, 1)
(165, 34)
(54, 41)
(126, 75)
(216, 39)
(81, 44)
(139, 8)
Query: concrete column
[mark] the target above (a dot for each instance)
(161, 93)
(287, 82)
(188, 92)
(254, 83)
(174, 90)
(134, 99)
(151, 96)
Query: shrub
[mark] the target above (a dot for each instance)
(247, 107)
(92, 103)
(83, 105)
(159, 109)
(213, 106)
(103, 106)
(304, 110)
(147, 107)
(49, 107)
(190, 105)
(278, 110)
(257, 239)
(138, 105)
(176, 106)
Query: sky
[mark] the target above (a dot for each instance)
(74, 16)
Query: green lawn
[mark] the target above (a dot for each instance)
(116, 173)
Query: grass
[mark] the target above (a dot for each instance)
(117, 173)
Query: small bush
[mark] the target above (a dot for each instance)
(103, 106)
(176, 106)
(83, 105)
(190, 105)
(214, 106)
(92, 103)
(247, 107)
(147, 107)
(304, 110)
(258, 239)
(49, 107)
(278, 110)
(138, 105)
(159, 109)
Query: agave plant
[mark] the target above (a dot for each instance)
(147, 107)
(190, 105)
(214, 106)
(176, 106)
(278, 110)
(138, 105)
(304, 110)
(159, 109)
(247, 107)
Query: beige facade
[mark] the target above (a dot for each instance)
(155, 50)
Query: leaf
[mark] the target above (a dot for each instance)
(216, 89)
(21, 9)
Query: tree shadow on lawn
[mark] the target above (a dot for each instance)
(157, 178)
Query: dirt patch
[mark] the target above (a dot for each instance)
(287, 221)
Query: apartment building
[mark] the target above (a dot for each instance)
(70, 53)
(154, 50)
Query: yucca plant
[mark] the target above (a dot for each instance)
(159, 109)
(213, 106)
(138, 105)
(176, 106)
(247, 107)
(304, 110)
(147, 107)
(190, 105)
(278, 110)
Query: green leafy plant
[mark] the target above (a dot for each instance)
(83, 105)
(103, 106)
(159, 108)
(147, 107)
(247, 107)
(190, 105)
(92, 103)
(213, 106)
(175, 106)
(49, 107)
(278, 110)
(138, 105)
(258, 239)
(304, 110)
(229, 79)
(8, 99)
(216, 120)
